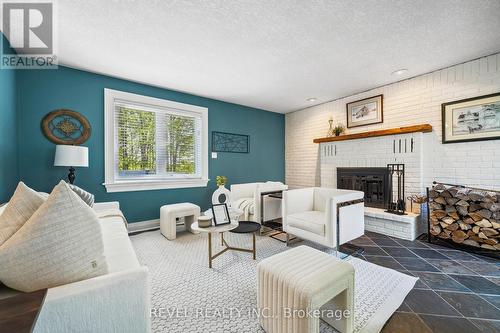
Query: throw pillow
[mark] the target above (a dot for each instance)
(84, 195)
(60, 244)
(22, 205)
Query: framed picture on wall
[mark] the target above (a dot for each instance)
(367, 111)
(472, 119)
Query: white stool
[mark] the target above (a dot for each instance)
(302, 281)
(168, 214)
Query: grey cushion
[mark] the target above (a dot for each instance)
(87, 197)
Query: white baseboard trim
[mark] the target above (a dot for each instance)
(143, 225)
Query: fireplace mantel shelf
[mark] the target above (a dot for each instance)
(424, 128)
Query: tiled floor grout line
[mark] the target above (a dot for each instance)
(434, 290)
(440, 271)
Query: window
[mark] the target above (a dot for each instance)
(152, 143)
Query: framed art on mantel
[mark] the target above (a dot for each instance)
(367, 111)
(472, 119)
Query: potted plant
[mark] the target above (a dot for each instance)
(339, 129)
(221, 194)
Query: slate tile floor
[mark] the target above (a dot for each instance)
(457, 291)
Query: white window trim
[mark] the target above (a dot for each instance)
(110, 181)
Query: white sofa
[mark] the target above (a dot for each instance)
(311, 214)
(116, 302)
(247, 197)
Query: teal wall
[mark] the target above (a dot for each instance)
(42, 91)
(8, 133)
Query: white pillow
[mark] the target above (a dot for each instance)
(22, 205)
(60, 244)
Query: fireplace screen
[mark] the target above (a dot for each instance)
(372, 181)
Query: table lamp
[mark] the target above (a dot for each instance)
(71, 156)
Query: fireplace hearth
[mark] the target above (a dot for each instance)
(374, 182)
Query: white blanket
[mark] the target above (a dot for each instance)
(247, 205)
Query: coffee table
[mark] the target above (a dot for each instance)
(234, 225)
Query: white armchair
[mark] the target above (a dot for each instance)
(247, 197)
(311, 214)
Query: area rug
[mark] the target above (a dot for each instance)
(187, 296)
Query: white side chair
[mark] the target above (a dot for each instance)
(251, 192)
(326, 216)
(169, 214)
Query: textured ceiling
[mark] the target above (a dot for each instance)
(273, 54)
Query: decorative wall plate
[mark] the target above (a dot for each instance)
(230, 143)
(66, 127)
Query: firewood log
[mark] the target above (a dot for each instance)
(453, 191)
(438, 214)
(439, 187)
(470, 242)
(462, 203)
(482, 235)
(433, 194)
(450, 209)
(454, 215)
(489, 232)
(440, 200)
(452, 227)
(449, 220)
(476, 238)
(468, 220)
(484, 223)
(460, 235)
(476, 217)
(435, 206)
(490, 241)
(462, 210)
(445, 194)
(476, 195)
(444, 235)
(485, 213)
(435, 230)
(464, 226)
(452, 201)
(474, 207)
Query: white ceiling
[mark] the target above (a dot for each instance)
(273, 54)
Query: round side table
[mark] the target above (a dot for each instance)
(215, 229)
(246, 227)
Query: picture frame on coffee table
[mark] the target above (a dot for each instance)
(220, 214)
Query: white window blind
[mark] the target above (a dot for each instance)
(155, 143)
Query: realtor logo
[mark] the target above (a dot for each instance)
(29, 29)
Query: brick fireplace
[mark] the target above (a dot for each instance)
(361, 164)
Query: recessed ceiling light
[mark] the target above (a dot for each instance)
(312, 99)
(399, 71)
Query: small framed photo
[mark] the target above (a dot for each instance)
(472, 119)
(367, 111)
(220, 213)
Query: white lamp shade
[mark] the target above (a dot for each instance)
(73, 156)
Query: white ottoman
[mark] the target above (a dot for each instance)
(299, 286)
(168, 214)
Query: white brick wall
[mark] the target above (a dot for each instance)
(410, 102)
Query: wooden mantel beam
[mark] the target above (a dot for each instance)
(425, 128)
